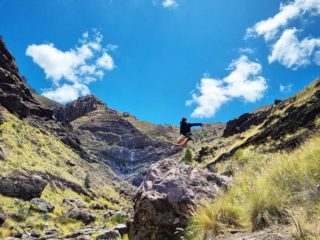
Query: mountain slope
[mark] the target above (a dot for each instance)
(273, 157)
(49, 185)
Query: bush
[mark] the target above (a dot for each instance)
(265, 206)
(187, 158)
(213, 218)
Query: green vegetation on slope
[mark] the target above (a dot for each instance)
(27, 148)
(273, 188)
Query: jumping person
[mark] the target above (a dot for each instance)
(185, 131)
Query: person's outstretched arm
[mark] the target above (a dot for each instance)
(195, 124)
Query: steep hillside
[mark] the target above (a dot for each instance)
(168, 133)
(108, 136)
(28, 152)
(282, 126)
(49, 185)
(115, 141)
(272, 154)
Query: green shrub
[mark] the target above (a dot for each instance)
(187, 158)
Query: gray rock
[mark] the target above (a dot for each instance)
(41, 205)
(22, 185)
(17, 234)
(84, 237)
(167, 195)
(83, 215)
(122, 229)
(34, 233)
(51, 232)
(2, 154)
(75, 201)
(71, 163)
(109, 213)
(97, 206)
(109, 235)
(3, 217)
(83, 232)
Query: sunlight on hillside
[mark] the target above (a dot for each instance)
(273, 188)
(26, 149)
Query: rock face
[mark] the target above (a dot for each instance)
(115, 141)
(78, 108)
(165, 198)
(21, 185)
(14, 93)
(245, 121)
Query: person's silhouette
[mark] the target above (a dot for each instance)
(185, 131)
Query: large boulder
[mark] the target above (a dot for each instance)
(41, 205)
(82, 215)
(22, 185)
(164, 200)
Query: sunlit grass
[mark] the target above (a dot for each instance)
(266, 187)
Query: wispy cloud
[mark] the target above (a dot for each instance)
(247, 50)
(169, 3)
(244, 81)
(270, 27)
(293, 53)
(72, 71)
(285, 88)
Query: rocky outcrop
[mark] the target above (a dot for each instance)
(75, 202)
(284, 119)
(3, 217)
(115, 141)
(165, 198)
(245, 121)
(22, 185)
(30, 184)
(41, 205)
(78, 108)
(109, 235)
(83, 215)
(60, 182)
(14, 93)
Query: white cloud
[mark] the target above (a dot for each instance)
(270, 27)
(244, 82)
(72, 70)
(247, 50)
(67, 92)
(105, 61)
(285, 88)
(292, 53)
(169, 3)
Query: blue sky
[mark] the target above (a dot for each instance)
(210, 60)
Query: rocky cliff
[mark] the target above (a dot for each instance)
(14, 94)
(113, 140)
(50, 186)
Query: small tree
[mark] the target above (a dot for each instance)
(187, 158)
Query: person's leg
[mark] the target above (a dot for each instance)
(180, 139)
(185, 143)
